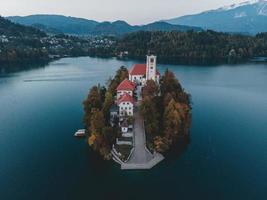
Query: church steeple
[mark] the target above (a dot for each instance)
(151, 67)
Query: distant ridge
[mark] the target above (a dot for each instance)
(60, 23)
(80, 26)
(247, 17)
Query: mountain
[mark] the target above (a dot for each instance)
(247, 17)
(46, 29)
(109, 28)
(68, 25)
(79, 26)
(164, 26)
(121, 27)
(19, 43)
(10, 29)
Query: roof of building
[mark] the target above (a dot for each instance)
(139, 69)
(125, 124)
(126, 98)
(126, 85)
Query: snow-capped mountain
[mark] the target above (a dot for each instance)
(247, 17)
(233, 6)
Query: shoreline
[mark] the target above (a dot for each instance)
(43, 62)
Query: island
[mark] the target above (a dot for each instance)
(138, 117)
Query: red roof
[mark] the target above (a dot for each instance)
(126, 85)
(139, 69)
(126, 98)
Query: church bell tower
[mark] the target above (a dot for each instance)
(151, 64)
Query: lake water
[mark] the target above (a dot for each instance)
(41, 108)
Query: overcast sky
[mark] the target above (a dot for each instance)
(132, 11)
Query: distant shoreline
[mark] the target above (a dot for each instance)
(35, 63)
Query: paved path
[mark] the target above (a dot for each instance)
(140, 153)
(141, 158)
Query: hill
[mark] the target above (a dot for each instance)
(79, 26)
(11, 29)
(67, 25)
(249, 17)
(20, 43)
(206, 47)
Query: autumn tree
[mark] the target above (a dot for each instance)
(97, 121)
(151, 89)
(121, 74)
(169, 85)
(161, 144)
(107, 105)
(149, 112)
(93, 101)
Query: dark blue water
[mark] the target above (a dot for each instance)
(41, 108)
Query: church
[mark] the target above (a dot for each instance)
(140, 73)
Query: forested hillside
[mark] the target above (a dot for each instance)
(194, 47)
(26, 44)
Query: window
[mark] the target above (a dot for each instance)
(151, 60)
(151, 67)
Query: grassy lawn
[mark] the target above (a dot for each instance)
(125, 151)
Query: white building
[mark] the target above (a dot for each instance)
(3, 39)
(124, 127)
(126, 105)
(125, 86)
(140, 73)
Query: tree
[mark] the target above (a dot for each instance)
(102, 92)
(150, 89)
(107, 105)
(172, 120)
(161, 144)
(170, 86)
(93, 101)
(121, 74)
(97, 122)
(110, 134)
(91, 139)
(149, 112)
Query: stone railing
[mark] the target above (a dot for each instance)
(127, 135)
(118, 142)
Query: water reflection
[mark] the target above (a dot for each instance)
(13, 68)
